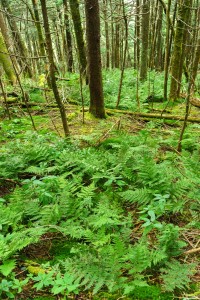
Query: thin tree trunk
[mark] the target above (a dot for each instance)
(17, 38)
(145, 40)
(39, 28)
(125, 52)
(105, 5)
(167, 49)
(68, 38)
(53, 68)
(74, 7)
(153, 32)
(159, 47)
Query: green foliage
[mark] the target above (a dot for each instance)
(95, 198)
(176, 275)
(36, 96)
(12, 286)
(7, 267)
(111, 78)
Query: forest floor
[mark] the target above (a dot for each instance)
(158, 170)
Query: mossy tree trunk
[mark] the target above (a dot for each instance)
(39, 28)
(94, 58)
(20, 45)
(145, 40)
(75, 13)
(6, 62)
(177, 55)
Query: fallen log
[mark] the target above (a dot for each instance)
(154, 116)
(195, 102)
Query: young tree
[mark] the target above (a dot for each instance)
(68, 38)
(52, 68)
(105, 7)
(137, 36)
(39, 28)
(94, 58)
(145, 39)
(74, 8)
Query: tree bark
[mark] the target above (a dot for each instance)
(17, 38)
(177, 58)
(39, 28)
(167, 49)
(159, 46)
(94, 58)
(68, 38)
(74, 7)
(145, 40)
(105, 5)
(6, 62)
(53, 68)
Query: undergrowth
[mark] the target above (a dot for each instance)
(114, 215)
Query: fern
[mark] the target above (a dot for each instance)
(11, 243)
(87, 195)
(141, 196)
(169, 241)
(176, 275)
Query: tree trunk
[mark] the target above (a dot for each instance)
(196, 61)
(74, 7)
(159, 46)
(5, 61)
(68, 38)
(167, 49)
(153, 34)
(105, 5)
(39, 28)
(17, 38)
(52, 68)
(145, 40)
(94, 58)
(137, 37)
(177, 58)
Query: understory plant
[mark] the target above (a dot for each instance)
(112, 213)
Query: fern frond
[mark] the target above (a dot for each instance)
(140, 196)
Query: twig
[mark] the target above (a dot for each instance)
(188, 240)
(107, 132)
(191, 251)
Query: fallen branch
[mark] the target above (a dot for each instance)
(151, 115)
(102, 138)
(11, 181)
(191, 251)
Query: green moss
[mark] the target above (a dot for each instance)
(36, 96)
(5, 61)
(150, 293)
